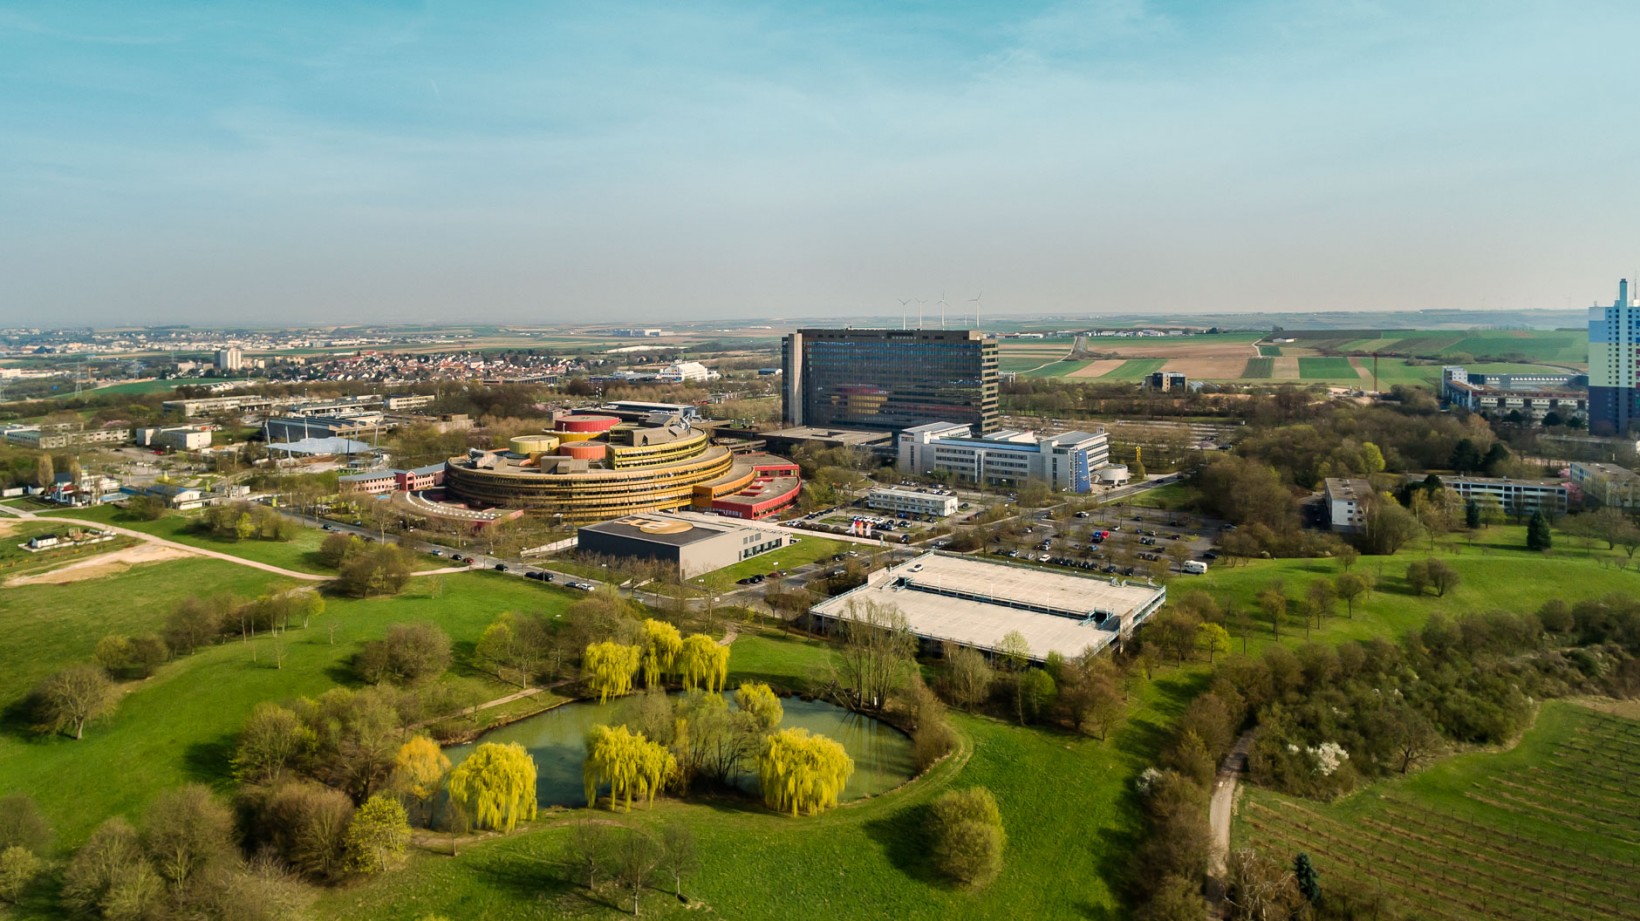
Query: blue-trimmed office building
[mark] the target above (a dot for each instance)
(1008, 458)
(1614, 363)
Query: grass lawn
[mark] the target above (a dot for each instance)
(807, 550)
(141, 387)
(1558, 814)
(178, 726)
(1498, 573)
(1171, 496)
(867, 859)
(299, 554)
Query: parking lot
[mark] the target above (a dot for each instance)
(1125, 541)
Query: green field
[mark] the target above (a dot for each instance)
(1059, 369)
(865, 859)
(1259, 369)
(1017, 363)
(299, 554)
(178, 726)
(1269, 351)
(1135, 369)
(1549, 829)
(142, 387)
(1326, 369)
(1066, 800)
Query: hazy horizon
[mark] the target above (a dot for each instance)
(341, 164)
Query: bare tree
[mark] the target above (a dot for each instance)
(877, 653)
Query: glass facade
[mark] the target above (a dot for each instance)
(890, 378)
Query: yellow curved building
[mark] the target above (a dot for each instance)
(644, 469)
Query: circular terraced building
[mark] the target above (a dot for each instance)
(594, 468)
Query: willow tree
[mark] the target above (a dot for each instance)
(609, 668)
(802, 774)
(495, 786)
(758, 701)
(419, 769)
(661, 645)
(702, 663)
(632, 765)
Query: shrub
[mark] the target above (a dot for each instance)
(968, 836)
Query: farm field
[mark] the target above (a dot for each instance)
(1547, 830)
(1314, 355)
(1136, 369)
(1327, 369)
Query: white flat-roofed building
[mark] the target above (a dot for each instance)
(1518, 497)
(1610, 484)
(1347, 499)
(399, 402)
(975, 603)
(1005, 458)
(908, 501)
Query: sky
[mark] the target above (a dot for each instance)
(546, 162)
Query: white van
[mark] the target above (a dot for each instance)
(1195, 567)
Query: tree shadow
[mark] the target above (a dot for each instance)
(210, 761)
(903, 836)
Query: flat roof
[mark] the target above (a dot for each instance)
(656, 529)
(976, 603)
(845, 436)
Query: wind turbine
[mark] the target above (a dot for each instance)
(920, 302)
(942, 310)
(975, 301)
(903, 302)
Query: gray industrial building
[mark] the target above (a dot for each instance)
(693, 545)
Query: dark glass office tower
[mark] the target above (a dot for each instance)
(890, 378)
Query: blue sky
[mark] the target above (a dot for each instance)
(582, 162)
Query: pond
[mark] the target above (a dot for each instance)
(556, 740)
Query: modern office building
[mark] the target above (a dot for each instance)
(889, 378)
(230, 359)
(975, 603)
(1614, 363)
(1008, 458)
(594, 467)
(905, 500)
(693, 546)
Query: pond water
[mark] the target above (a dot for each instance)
(556, 740)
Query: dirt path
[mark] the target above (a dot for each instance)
(1221, 811)
(213, 554)
(105, 564)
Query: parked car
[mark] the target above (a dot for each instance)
(501, 567)
(330, 527)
